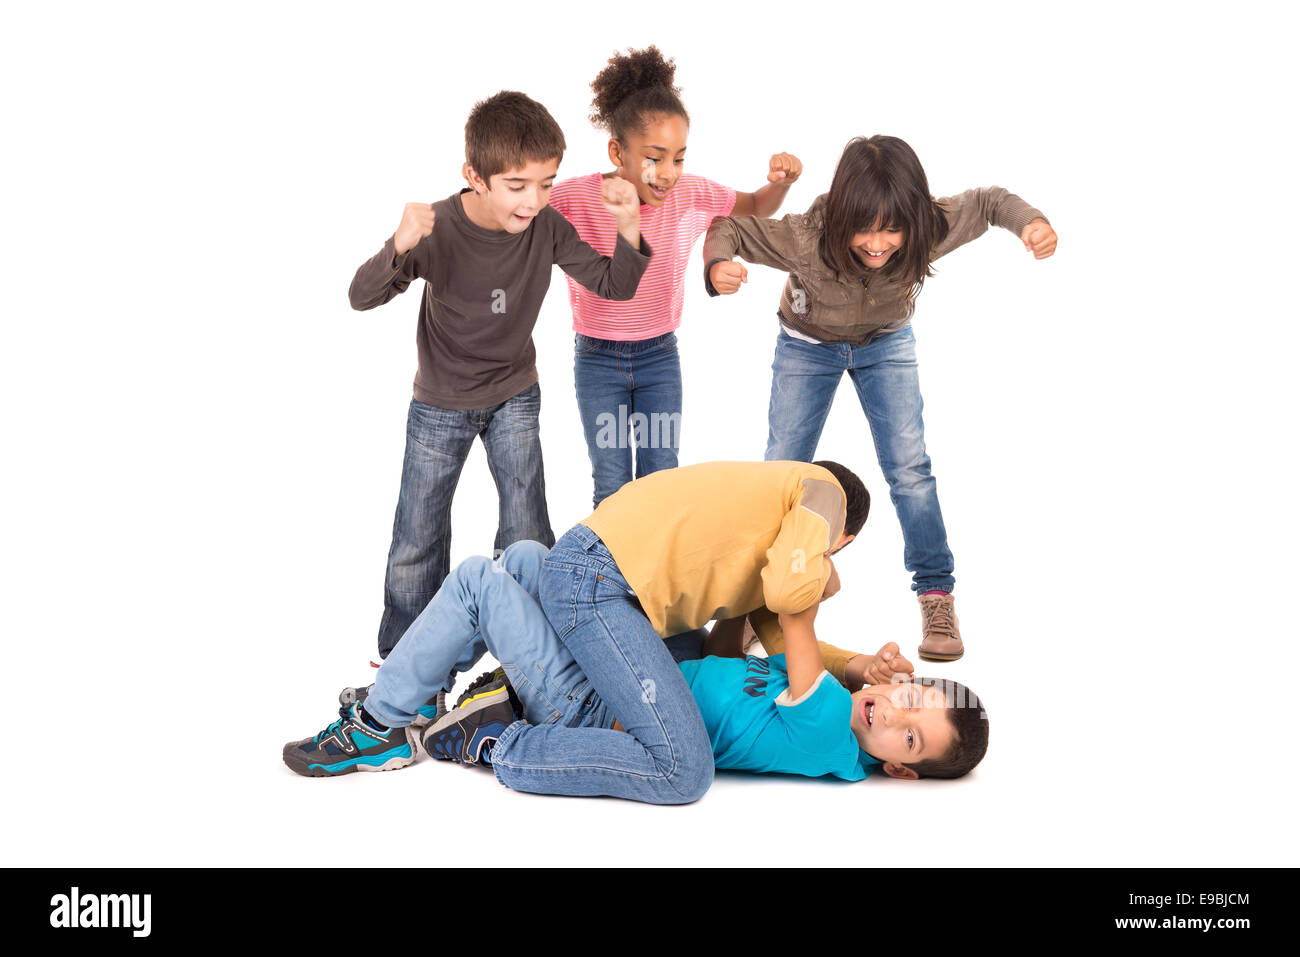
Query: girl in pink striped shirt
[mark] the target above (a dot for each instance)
(626, 370)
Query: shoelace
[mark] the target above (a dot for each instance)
(337, 727)
(938, 617)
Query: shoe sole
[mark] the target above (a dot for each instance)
(931, 656)
(312, 769)
(443, 739)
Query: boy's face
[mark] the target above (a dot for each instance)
(899, 723)
(516, 196)
(653, 158)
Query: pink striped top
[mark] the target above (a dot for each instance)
(671, 231)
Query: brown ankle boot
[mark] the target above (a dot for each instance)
(940, 636)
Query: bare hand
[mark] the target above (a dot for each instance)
(619, 197)
(417, 222)
(884, 665)
(1039, 238)
(784, 168)
(727, 276)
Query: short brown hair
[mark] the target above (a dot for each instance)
(506, 131)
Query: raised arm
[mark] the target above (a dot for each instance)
(404, 257)
(764, 242)
(971, 213)
(782, 171)
(610, 277)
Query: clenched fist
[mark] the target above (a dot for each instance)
(784, 168)
(619, 197)
(417, 222)
(883, 668)
(727, 276)
(1039, 238)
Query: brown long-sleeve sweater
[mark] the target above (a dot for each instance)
(483, 290)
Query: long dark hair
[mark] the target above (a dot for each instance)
(879, 181)
(633, 87)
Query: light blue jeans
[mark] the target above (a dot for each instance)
(493, 606)
(487, 606)
(805, 376)
(665, 756)
(629, 395)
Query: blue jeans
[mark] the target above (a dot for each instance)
(437, 443)
(665, 756)
(622, 388)
(805, 376)
(488, 606)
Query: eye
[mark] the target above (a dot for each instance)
(910, 740)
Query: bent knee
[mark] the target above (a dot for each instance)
(693, 780)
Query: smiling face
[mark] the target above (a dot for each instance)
(901, 723)
(515, 197)
(874, 247)
(653, 158)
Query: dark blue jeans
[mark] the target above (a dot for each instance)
(629, 394)
(437, 443)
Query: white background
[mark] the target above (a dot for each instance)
(202, 442)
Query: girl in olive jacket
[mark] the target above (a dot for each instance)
(857, 259)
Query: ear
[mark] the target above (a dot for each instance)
(475, 181)
(896, 770)
(615, 152)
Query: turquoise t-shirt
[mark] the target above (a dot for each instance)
(755, 726)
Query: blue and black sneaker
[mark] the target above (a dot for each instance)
(467, 732)
(351, 743)
(431, 710)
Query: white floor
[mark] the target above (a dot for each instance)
(203, 443)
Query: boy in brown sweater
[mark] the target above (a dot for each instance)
(485, 255)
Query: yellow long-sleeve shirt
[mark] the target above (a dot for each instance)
(722, 539)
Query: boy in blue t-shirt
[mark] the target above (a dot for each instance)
(785, 713)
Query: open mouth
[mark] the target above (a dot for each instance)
(875, 257)
(658, 192)
(868, 711)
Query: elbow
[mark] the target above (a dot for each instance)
(793, 600)
(357, 300)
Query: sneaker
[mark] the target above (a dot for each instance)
(940, 636)
(431, 710)
(350, 744)
(466, 733)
